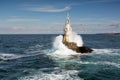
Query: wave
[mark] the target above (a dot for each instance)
(100, 51)
(77, 39)
(8, 56)
(34, 49)
(61, 55)
(114, 52)
(57, 74)
(117, 65)
(61, 51)
(58, 51)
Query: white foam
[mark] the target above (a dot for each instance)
(34, 49)
(77, 39)
(8, 56)
(99, 51)
(101, 63)
(55, 75)
(105, 51)
(60, 50)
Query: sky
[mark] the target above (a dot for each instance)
(49, 16)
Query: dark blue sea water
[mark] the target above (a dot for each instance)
(27, 57)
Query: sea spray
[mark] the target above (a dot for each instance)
(61, 50)
(77, 39)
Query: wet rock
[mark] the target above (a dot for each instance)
(84, 49)
(74, 47)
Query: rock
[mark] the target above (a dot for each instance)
(74, 47)
(84, 49)
(71, 45)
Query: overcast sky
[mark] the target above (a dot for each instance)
(48, 16)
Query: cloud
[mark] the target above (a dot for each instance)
(21, 20)
(97, 24)
(17, 28)
(48, 9)
(57, 27)
(13, 27)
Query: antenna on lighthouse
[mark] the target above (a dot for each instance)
(68, 20)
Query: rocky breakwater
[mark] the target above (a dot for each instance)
(73, 46)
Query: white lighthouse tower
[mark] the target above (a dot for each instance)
(73, 41)
(67, 30)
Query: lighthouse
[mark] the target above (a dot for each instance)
(71, 41)
(67, 31)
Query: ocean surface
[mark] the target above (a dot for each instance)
(30, 57)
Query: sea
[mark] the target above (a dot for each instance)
(34, 57)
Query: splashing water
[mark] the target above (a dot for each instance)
(77, 39)
(61, 50)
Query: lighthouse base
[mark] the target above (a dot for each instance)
(73, 46)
